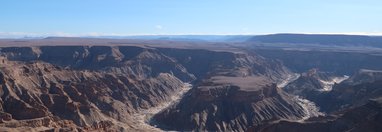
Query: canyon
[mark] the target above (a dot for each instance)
(94, 84)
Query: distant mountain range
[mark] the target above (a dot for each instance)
(194, 38)
(332, 40)
(317, 39)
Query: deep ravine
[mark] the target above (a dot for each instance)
(310, 108)
(142, 118)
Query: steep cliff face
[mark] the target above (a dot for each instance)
(91, 87)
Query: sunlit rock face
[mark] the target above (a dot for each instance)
(83, 87)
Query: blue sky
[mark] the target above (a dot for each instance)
(128, 17)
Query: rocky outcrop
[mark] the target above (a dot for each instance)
(93, 87)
